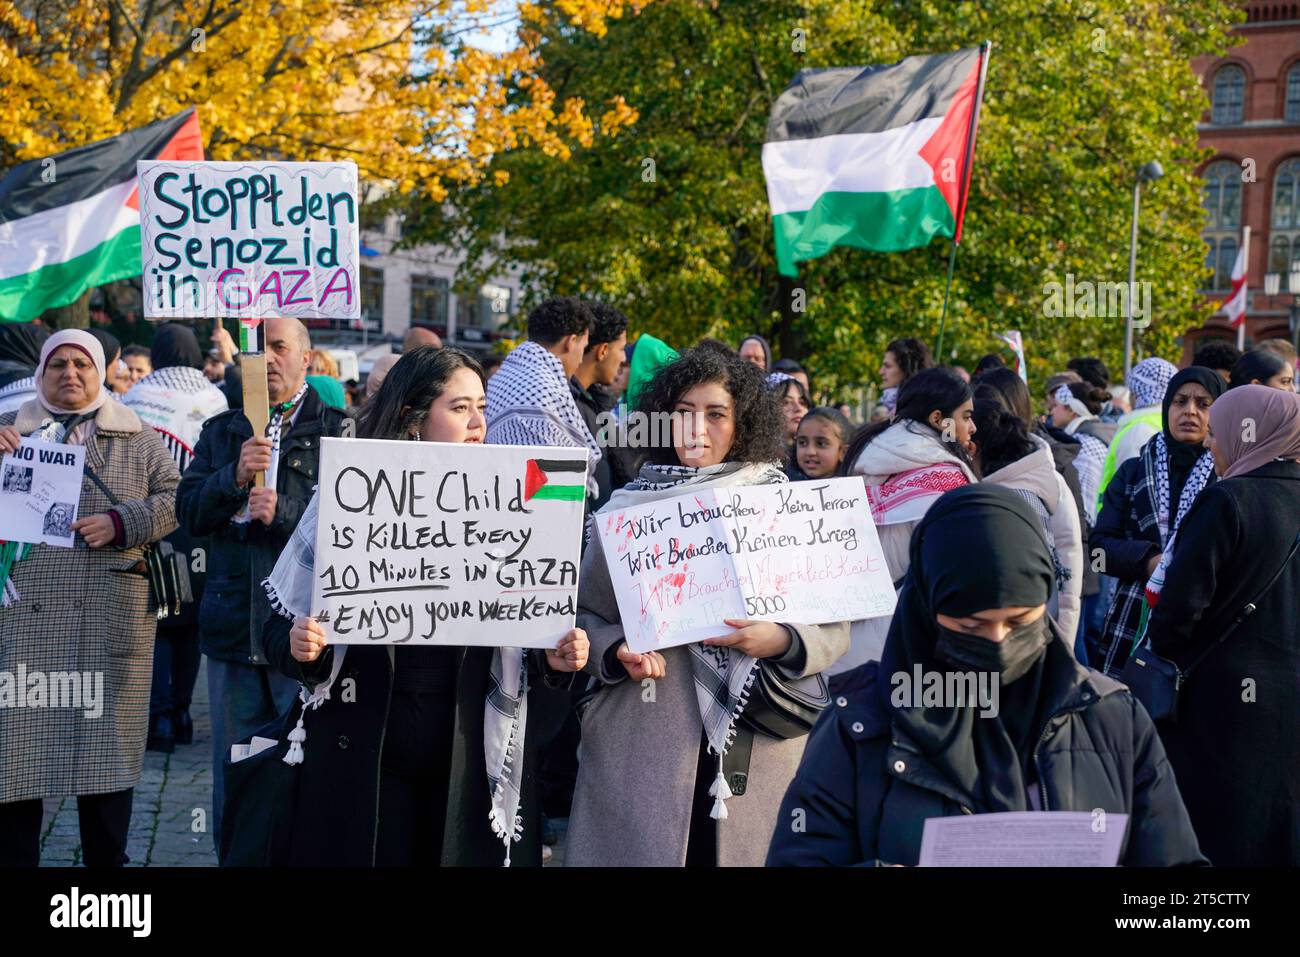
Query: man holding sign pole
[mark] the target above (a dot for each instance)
(248, 525)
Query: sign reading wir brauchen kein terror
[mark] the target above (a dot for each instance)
(429, 543)
(249, 239)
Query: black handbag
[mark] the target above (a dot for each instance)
(1155, 681)
(260, 792)
(166, 569)
(778, 707)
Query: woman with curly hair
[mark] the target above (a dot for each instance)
(904, 358)
(652, 789)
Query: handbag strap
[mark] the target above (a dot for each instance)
(1247, 610)
(90, 474)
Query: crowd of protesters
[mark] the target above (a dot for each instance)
(1042, 538)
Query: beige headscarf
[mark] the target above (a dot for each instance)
(1253, 425)
(85, 342)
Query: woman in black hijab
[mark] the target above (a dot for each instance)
(1144, 504)
(1041, 732)
(175, 346)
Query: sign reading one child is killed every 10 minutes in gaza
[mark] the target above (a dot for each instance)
(802, 552)
(249, 240)
(430, 543)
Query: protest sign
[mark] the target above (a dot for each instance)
(430, 543)
(804, 552)
(1024, 839)
(40, 488)
(249, 239)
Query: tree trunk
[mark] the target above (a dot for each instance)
(75, 315)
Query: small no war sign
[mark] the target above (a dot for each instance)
(429, 543)
(803, 553)
(249, 239)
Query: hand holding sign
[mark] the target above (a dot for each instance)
(306, 639)
(570, 654)
(758, 639)
(641, 666)
(9, 439)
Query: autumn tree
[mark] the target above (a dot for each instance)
(670, 219)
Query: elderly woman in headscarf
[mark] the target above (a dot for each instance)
(1146, 502)
(1234, 742)
(1059, 738)
(20, 350)
(67, 610)
(176, 398)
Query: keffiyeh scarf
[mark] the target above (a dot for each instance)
(505, 710)
(1196, 480)
(1149, 380)
(529, 403)
(722, 675)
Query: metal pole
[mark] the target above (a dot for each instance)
(1132, 280)
(943, 318)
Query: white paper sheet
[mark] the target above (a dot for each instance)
(40, 490)
(1024, 839)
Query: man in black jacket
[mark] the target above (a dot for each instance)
(600, 364)
(248, 526)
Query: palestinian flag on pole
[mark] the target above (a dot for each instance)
(72, 221)
(563, 480)
(875, 157)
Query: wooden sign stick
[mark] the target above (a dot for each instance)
(257, 399)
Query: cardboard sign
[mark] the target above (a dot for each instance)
(249, 239)
(40, 489)
(803, 553)
(430, 543)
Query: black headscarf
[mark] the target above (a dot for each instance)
(1183, 455)
(767, 350)
(175, 345)
(20, 349)
(979, 547)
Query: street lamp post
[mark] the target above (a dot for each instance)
(1149, 173)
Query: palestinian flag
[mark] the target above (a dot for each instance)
(72, 221)
(873, 157)
(562, 480)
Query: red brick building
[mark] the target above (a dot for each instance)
(1253, 178)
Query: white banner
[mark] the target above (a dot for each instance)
(804, 553)
(430, 543)
(249, 240)
(40, 489)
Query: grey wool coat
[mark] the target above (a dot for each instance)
(74, 614)
(639, 754)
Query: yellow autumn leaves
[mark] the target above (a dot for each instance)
(410, 91)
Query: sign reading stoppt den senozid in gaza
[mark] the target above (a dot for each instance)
(803, 552)
(430, 543)
(249, 239)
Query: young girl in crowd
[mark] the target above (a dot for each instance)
(906, 465)
(820, 444)
(651, 790)
(1063, 738)
(414, 769)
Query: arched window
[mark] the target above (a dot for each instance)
(1284, 242)
(1228, 106)
(1292, 114)
(1221, 197)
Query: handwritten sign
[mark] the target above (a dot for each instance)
(428, 543)
(40, 489)
(249, 239)
(805, 553)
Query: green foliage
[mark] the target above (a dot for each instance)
(670, 221)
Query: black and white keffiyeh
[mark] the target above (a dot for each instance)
(505, 710)
(529, 403)
(1196, 480)
(722, 675)
(176, 401)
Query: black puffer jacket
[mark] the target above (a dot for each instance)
(866, 791)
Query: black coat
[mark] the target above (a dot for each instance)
(335, 806)
(234, 607)
(1065, 449)
(866, 791)
(1236, 743)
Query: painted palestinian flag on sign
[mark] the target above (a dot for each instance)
(872, 157)
(72, 221)
(563, 480)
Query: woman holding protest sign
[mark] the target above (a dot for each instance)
(1057, 736)
(652, 789)
(408, 756)
(69, 614)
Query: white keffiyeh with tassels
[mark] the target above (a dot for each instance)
(505, 711)
(722, 675)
